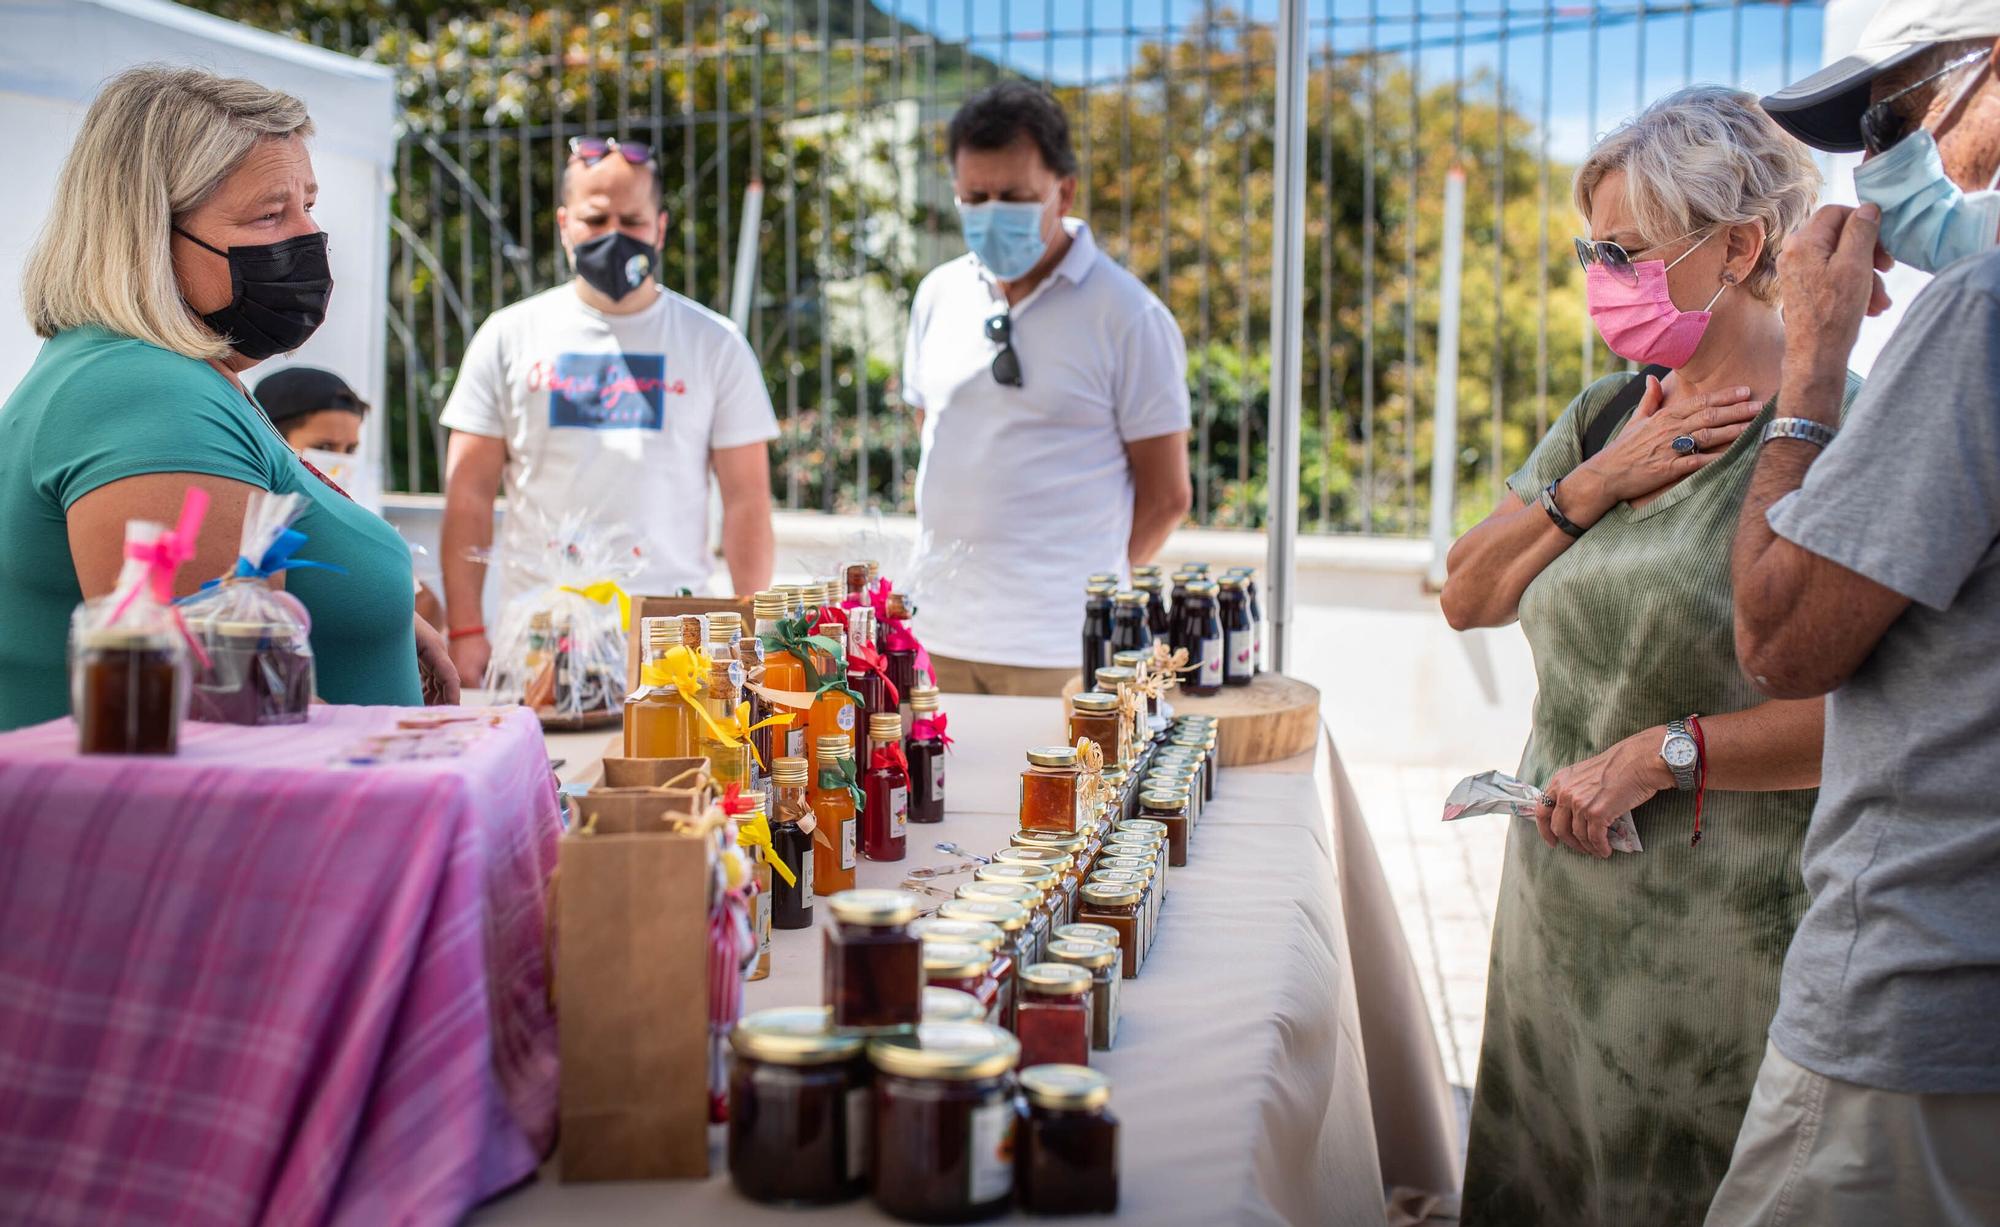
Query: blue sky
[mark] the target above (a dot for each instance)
(1777, 43)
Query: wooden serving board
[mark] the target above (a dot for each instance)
(1273, 717)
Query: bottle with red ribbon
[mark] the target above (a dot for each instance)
(130, 651)
(867, 669)
(925, 752)
(885, 818)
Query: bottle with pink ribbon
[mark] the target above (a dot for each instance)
(925, 752)
(130, 652)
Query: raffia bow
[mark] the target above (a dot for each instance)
(1166, 667)
(1090, 756)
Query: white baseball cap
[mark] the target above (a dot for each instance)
(1824, 110)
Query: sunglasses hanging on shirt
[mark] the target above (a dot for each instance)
(1006, 363)
(590, 150)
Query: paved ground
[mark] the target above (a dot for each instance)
(1445, 879)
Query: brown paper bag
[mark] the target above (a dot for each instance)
(669, 606)
(646, 772)
(632, 986)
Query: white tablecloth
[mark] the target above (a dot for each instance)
(1275, 1061)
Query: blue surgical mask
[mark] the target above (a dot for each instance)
(1006, 235)
(1927, 222)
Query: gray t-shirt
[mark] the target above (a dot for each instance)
(1893, 980)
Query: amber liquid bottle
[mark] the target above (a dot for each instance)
(658, 722)
(833, 713)
(836, 832)
(727, 764)
(885, 821)
(782, 672)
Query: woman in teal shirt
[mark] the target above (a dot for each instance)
(182, 252)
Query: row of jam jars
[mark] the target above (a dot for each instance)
(1094, 714)
(1052, 790)
(1012, 916)
(1134, 833)
(873, 973)
(995, 986)
(1081, 847)
(1178, 772)
(1069, 875)
(1123, 683)
(1100, 959)
(1140, 871)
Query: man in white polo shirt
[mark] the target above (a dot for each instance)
(608, 395)
(1051, 392)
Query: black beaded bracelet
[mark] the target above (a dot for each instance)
(1548, 501)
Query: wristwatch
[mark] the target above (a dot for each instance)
(1681, 755)
(1803, 429)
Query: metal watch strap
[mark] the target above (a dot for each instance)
(1805, 430)
(1548, 502)
(1685, 778)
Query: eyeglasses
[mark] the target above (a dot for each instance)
(1882, 125)
(1615, 259)
(1006, 363)
(590, 150)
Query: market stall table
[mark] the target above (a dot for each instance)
(245, 984)
(1275, 1062)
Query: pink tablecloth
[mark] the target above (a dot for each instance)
(244, 986)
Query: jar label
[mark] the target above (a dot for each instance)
(844, 717)
(847, 826)
(991, 1169)
(1241, 644)
(1257, 644)
(761, 918)
(795, 739)
(937, 780)
(857, 1132)
(1211, 662)
(1106, 988)
(804, 870)
(899, 811)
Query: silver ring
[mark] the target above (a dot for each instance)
(1685, 445)
(1549, 800)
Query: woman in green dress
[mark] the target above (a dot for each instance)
(1629, 993)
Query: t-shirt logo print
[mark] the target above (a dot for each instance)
(614, 391)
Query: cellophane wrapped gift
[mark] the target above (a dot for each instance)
(1495, 792)
(560, 647)
(257, 638)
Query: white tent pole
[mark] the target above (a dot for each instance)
(1288, 307)
(1444, 432)
(743, 292)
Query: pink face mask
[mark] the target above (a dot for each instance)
(1640, 322)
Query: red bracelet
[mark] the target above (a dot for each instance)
(464, 632)
(1701, 774)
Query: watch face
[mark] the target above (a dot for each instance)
(1679, 752)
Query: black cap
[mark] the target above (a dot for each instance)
(1824, 109)
(297, 391)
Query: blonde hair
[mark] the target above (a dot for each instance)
(155, 145)
(1707, 156)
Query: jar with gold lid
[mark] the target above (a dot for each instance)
(1014, 919)
(1179, 775)
(1119, 782)
(987, 936)
(1100, 959)
(1143, 869)
(1120, 906)
(1123, 684)
(1077, 847)
(1155, 842)
(1085, 932)
(1170, 807)
(964, 966)
(1095, 715)
(798, 1108)
(1138, 663)
(873, 972)
(1051, 790)
(950, 1005)
(1069, 874)
(1054, 1020)
(1068, 1145)
(1039, 878)
(944, 1122)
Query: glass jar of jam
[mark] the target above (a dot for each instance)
(1086, 932)
(1069, 875)
(1038, 878)
(1155, 845)
(1013, 920)
(1119, 906)
(944, 1123)
(1204, 744)
(1169, 807)
(1183, 776)
(1134, 869)
(885, 818)
(1123, 684)
(873, 972)
(1054, 1019)
(965, 967)
(1067, 1151)
(1139, 663)
(1094, 714)
(1100, 959)
(129, 689)
(1051, 790)
(950, 1005)
(925, 751)
(1119, 782)
(798, 1109)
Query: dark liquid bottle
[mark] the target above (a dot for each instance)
(1129, 631)
(1156, 608)
(1238, 635)
(885, 819)
(130, 693)
(791, 902)
(1203, 628)
(1177, 617)
(925, 751)
(1096, 629)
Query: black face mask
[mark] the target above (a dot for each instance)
(280, 292)
(614, 264)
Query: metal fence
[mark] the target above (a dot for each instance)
(823, 120)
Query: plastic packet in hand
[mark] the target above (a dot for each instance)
(560, 646)
(256, 637)
(1495, 792)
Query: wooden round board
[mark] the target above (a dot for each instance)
(1273, 717)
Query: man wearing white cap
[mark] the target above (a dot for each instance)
(1867, 569)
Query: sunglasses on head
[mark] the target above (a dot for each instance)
(1006, 363)
(1615, 259)
(1882, 125)
(590, 150)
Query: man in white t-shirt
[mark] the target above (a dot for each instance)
(610, 396)
(1051, 393)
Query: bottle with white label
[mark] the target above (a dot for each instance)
(835, 816)
(925, 752)
(1205, 641)
(886, 786)
(945, 1122)
(792, 827)
(1239, 642)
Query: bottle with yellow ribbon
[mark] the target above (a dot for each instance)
(753, 835)
(658, 719)
(793, 828)
(727, 753)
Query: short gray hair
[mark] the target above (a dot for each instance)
(1707, 156)
(155, 145)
